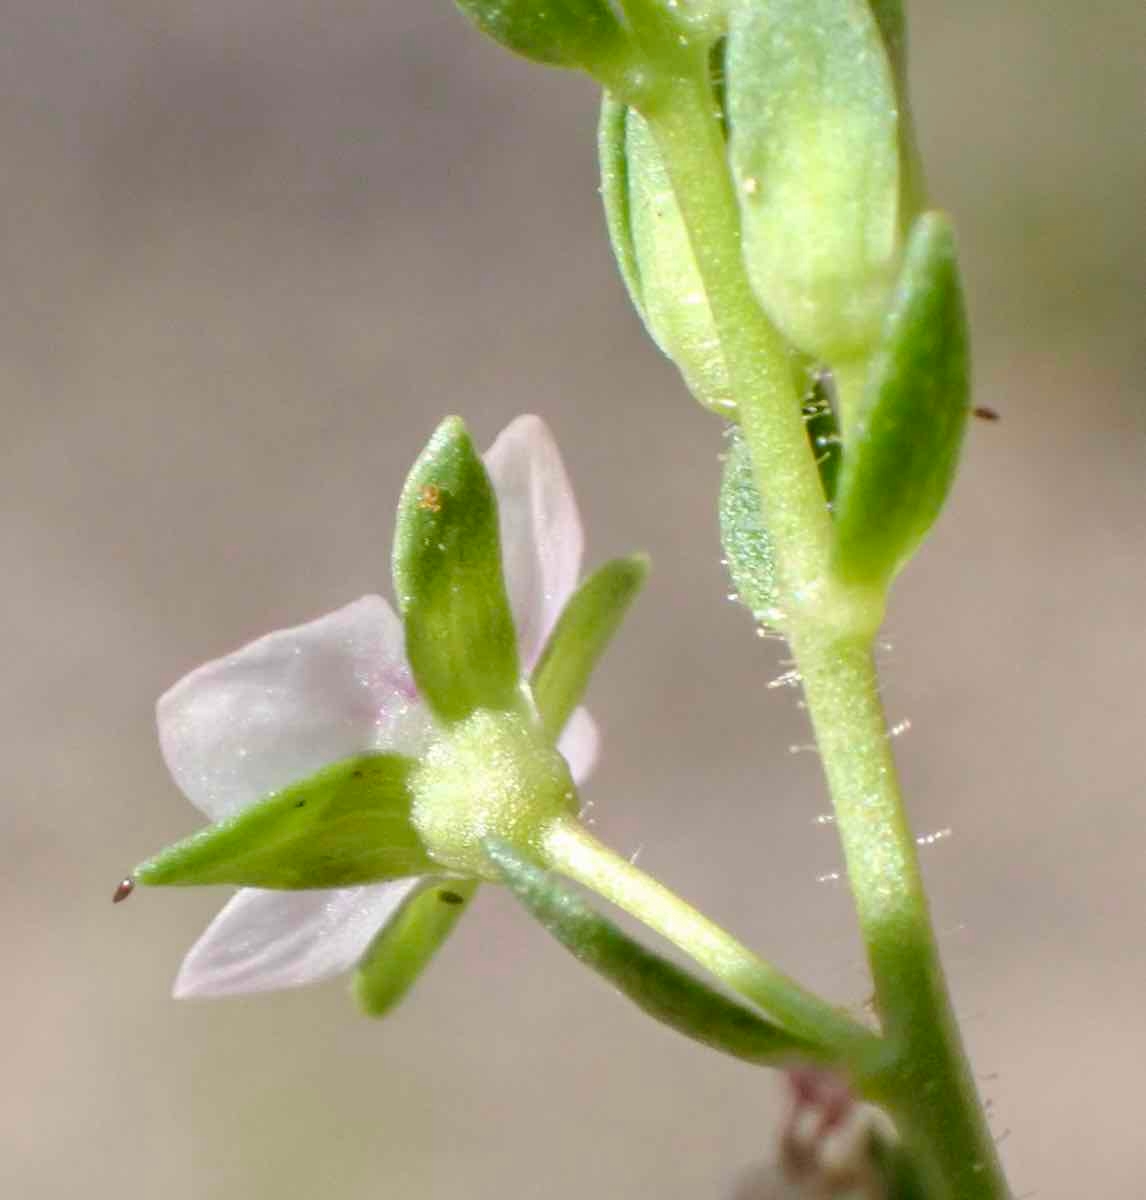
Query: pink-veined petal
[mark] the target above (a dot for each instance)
(263, 940)
(244, 726)
(579, 744)
(541, 536)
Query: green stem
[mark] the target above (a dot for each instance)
(569, 848)
(683, 121)
(928, 1088)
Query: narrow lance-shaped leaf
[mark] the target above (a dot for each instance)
(815, 156)
(460, 638)
(561, 33)
(658, 987)
(899, 465)
(404, 946)
(585, 628)
(348, 824)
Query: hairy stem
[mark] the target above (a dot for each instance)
(760, 369)
(928, 1086)
(929, 1089)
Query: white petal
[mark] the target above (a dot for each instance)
(263, 940)
(579, 743)
(279, 709)
(541, 538)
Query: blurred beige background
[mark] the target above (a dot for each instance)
(252, 251)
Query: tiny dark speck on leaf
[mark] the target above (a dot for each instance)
(125, 888)
(300, 804)
(450, 898)
(357, 774)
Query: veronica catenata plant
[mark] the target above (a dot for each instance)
(363, 773)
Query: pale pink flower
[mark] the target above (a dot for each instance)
(273, 713)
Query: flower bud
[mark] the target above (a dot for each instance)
(814, 147)
(651, 243)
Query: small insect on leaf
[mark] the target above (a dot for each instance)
(125, 888)
(430, 498)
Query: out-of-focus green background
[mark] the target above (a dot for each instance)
(252, 251)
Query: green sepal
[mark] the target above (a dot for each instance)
(658, 987)
(495, 774)
(674, 301)
(900, 461)
(745, 540)
(815, 157)
(892, 24)
(403, 948)
(614, 167)
(586, 626)
(560, 33)
(460, 637)
(348, 824)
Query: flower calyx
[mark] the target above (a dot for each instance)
(491, 775)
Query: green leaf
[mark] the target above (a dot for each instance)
(586, 626)
(674, 300)
(460, 638)
(404, 946)
(900, 463)
(658, 987)
(815, 156)
(348, 824)
(615, 194)
(562, 33)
